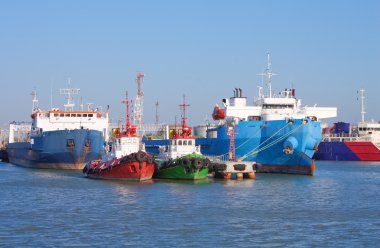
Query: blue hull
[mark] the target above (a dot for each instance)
(265, 141)
(62, 149)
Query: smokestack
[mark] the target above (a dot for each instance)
(241, 92)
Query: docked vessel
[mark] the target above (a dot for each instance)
(125, 158)
(276, 132)
(3, 155)
(59, 139)
(346, 142)
(181, 158)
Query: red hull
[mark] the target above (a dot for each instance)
(366, 151)
(120, 169)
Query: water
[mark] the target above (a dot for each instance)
(338, 207)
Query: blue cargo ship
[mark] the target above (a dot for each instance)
(58, 139)
(275, 132)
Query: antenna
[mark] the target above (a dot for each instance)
(183, 107)
(157, 116)
(362, 103)
(89, 105)
(81, 103)
(128, 126)
(138, 107)
(269, 74)
(51, 94)
(69, 106)
(34, 101)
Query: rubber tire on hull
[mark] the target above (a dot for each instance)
(197, 163)
(140, 156)
(206, 163)
(185, 161)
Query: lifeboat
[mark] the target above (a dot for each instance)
(218, 113)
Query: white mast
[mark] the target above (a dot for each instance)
(69, 106)
(269, 74)
(34, 101)
(138, 107)
(362, 103)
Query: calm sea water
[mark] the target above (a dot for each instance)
(338, 207)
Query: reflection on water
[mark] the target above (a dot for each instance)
(336, 207)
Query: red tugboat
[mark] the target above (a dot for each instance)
(124, 160)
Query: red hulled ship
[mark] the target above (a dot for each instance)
(124, 159)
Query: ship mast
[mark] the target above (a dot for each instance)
(186, 131)
(34, 101)
(128, 127)
(362, 103)
(138, 108)
(157, 116)
(269, 74)
(69, 106)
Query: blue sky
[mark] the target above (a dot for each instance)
(204, 49)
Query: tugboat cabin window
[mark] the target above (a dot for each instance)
(67, 115)
(185, 143)
(180, 142)
(61, 115)
(84, 115)
(73, 115)
(55, 115)
(90, 115)
(190, 143)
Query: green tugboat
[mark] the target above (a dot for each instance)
(181, 159)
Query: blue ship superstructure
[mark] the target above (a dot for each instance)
(59, 139)
(275, 132)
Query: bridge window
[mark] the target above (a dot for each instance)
(254, 118)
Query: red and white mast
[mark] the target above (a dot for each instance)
(231, 151)
(130, 130)
(186, 130)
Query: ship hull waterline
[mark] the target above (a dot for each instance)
(62, 149)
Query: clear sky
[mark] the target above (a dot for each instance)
(204, 49)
